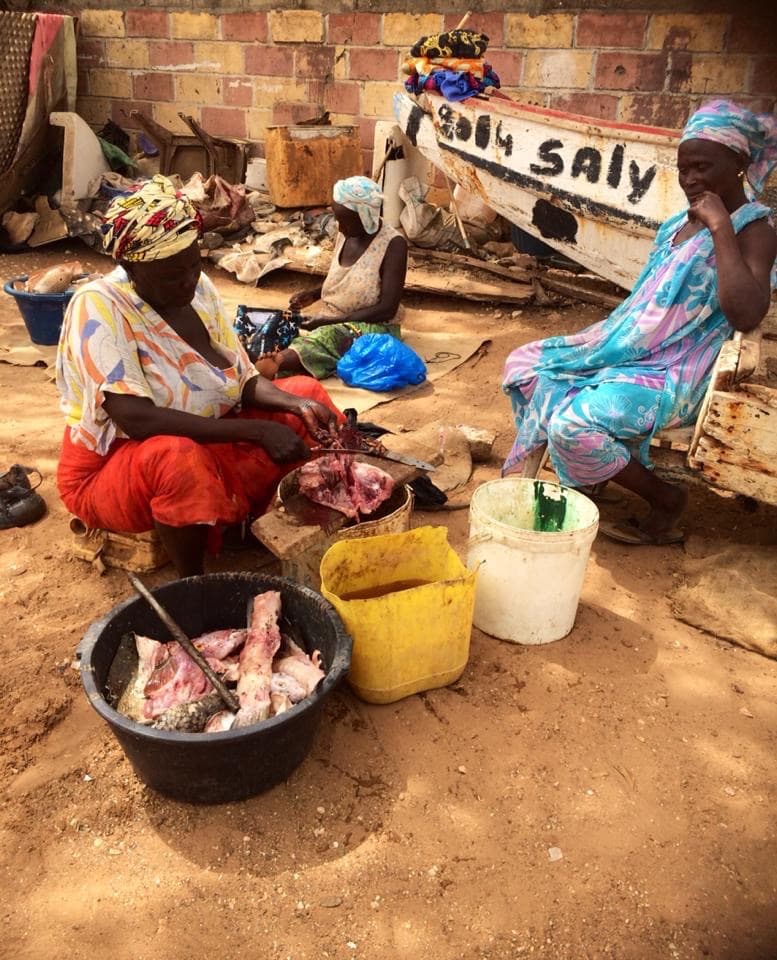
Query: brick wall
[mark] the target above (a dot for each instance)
(238, 72)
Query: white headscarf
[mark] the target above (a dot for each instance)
(364, 197)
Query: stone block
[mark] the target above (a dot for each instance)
(610, 29)
(268, 92)
(171, 54)
(286, 113)
(153, 86)
(197, 88)
(257, 122)
(687, 31)
(147, 23)
(357, 28)
(91, 52)
(551, 30)
(167, 115)
(248, 27)
(558, 68)
(126, 54)
(101, 23)
(404, 29)
(712, 75)
(373, 63)
(378, 99)
(630, 71)
(194, 26)
(341, 67)
(220, 57)
(95, 110)
(296, 26)
(269, 61)
(116, 84)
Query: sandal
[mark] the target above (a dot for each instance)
(629, 531)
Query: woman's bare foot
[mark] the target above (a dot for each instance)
(662, 518)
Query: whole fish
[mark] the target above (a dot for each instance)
(190, 717)
(53, 279)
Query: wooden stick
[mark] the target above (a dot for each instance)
(230, 700)
(379, 171)
(455, 211)
(463, 20)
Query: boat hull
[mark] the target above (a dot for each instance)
(593, 190)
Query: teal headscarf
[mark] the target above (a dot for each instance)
(752, 134)
(364, 197)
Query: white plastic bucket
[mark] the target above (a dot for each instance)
(529, 541)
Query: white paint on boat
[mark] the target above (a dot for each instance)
(594, 190)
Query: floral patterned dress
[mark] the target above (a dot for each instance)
(598, 396)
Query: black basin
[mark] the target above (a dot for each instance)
(216, 767)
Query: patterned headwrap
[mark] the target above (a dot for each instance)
(153, 224)
(364, 197)
(751, 134)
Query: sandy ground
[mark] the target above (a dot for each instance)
(642, 748)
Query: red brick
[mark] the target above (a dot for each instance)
(492, 24)
(508, 65)
(168, 53)
(314, 62)
(373, 63)
(247, 27)
(361, 28)
(679, 66)
(656, 110)
(367, 162)
(749, 34)
(610, 30)
(286, 112)
(147, 23)
(238, 93)
(91, 52)
(630, 71)
(764, 77)
(603, 106)
(224, 121)
(82, 83)
(153, 86)
(342, 97)
(367, 131)
(270, 61)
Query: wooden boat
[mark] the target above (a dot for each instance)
(593, 189)
(597, 191)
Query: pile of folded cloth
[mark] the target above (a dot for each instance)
(451, 63)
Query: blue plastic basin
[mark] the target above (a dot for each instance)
(42, 312)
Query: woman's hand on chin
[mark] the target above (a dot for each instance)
(710, 210)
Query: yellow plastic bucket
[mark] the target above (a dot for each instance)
(407, 601)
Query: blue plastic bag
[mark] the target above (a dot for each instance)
(378, 361)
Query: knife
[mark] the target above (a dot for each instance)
(384, 455)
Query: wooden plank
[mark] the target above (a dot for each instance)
(675, 438)
(740, 476)
(577, 290)
(749, 354)
(745, 426)
(518, 274)
(422, 279)
(286, 538)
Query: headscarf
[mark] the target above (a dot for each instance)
(364, 197)
(154, 223)
(751, 134)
